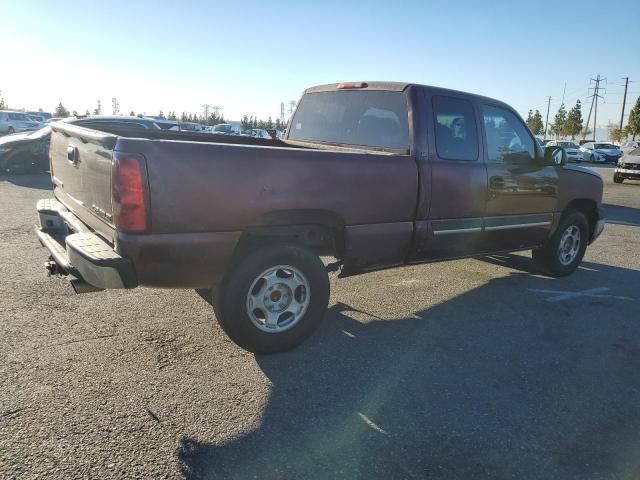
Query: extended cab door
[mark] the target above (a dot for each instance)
(452, 203)
(522, 190)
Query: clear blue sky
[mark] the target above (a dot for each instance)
(248, 56)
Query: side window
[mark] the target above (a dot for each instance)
(508, 140)
(455, 128)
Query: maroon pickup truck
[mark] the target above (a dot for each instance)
(374, 174)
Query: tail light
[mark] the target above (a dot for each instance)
(129, 193)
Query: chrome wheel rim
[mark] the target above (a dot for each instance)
(569, 245)
(278, 299)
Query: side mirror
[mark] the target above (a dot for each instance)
(555, 156)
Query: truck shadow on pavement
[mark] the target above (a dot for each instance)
(622, 215)
(495, 383)
(40, 181)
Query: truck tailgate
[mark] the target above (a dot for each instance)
(81, 174)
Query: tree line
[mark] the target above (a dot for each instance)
(247, 122)
(571, 124)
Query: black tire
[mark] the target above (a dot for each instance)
(230, 302)
(547, 257)
(617, 178)
(11, 130)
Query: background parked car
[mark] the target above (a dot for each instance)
(260, 133)
(28, 152)
(116, 122)
(36, 118)
(628, 167)
(572, 148)
(191, 127)
(600, 152)
(25, 152)
(629, 146)
(13, 122)
(164, 123)
(224, 129)
(44, 115)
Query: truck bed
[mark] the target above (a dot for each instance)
(198, 188)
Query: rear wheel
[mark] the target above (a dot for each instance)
(274, 298)
(617, 178)
(563, 252)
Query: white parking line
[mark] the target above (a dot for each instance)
(559, 295)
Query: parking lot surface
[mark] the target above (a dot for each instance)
(469, 369)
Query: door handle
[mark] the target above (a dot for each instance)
(496, 182)
(72, 154)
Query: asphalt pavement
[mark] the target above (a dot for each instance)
(471, 369)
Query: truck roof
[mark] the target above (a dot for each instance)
(395, 87)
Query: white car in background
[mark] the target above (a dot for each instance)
(191, 127)
(225, 129)
(600, 152)
(13, 122)
(629, 146)
(260, 133)
(572, 148)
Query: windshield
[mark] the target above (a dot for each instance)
(605, 146)
(365, 118)
(567, 145)
(18, 116)
(222, 128)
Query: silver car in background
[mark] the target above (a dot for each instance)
(572, 148)
(628, 167)
(12, 122)
(630, 145)
(600, 152)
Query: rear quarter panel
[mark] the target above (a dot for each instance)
(205, 187)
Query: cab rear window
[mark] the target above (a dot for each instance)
(376, 119)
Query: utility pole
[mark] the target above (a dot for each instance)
(624, 100)
(594, 102)
(115, 105)
(586, 125)
(546, 122)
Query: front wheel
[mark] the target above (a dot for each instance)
(274, 298)
(11, 130)
(617, 178)
(563, 252)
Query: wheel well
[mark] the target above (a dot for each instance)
(589, 208)
(320, 231)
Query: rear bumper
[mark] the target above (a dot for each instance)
(81, 253)
(169, 260)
